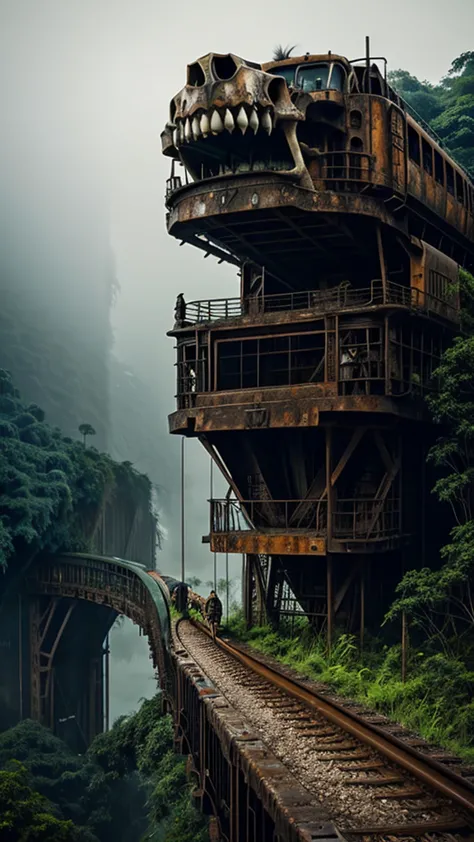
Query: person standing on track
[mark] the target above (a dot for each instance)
(213, 611)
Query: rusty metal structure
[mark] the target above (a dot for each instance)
(66, 606)
(56, 612)
(347, 221)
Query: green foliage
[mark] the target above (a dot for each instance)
(441, 601)
(436, 700)
(86, 430)
(143, 743)
(448, 106)
(128, 784)
(68, 781)
(25, 816)
(50, 486)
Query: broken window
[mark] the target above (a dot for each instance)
(336, 78)
(439, 169)
(427, 156)
(459, 188)
(313, 77)
(288, 73)
(449, 178)
(414, 145)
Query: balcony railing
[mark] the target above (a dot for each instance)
(353, 519)
(353, 166)
(343, 297)
(241, 515)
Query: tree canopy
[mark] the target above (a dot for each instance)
(448, 106)
(25, 816)
(50, 485)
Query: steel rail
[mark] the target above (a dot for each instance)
(422, 767)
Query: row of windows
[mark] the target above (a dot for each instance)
(423, 154)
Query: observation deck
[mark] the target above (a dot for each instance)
(289, 527)
(282, 359)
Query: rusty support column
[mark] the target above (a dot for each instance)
(362, 608)
(329, 566)
(329, 487)
(107, 683)
(182, 512)
(383, 268)
(35, 680)
(248, 591)
(330, 602)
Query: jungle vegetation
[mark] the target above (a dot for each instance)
(51, 485)
(130, 786)
(448, 106)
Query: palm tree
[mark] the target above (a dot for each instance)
(280, 53)
(86, 430)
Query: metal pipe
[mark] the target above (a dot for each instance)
(211, 489)
(107, 682)
(182, 511)
(227, 586)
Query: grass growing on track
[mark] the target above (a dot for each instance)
(436, 700)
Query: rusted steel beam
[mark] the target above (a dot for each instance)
(272, 192)
(212, 413)
(267, 543)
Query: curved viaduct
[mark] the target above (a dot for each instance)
(53, 623)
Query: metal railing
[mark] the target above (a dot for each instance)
(357, 519)
(342, 297)
(230, 515)
(344, 165)
(353, 519)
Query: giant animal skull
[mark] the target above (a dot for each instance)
(232, 117)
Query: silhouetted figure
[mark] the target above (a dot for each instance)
(179, 310)
(180, 597)
(213, 611)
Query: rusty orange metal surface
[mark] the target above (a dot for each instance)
(270, 543)
(196, 421)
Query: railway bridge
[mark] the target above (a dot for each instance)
(274, 757)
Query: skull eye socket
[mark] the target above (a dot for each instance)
(196, 76)
(223, 67)
(276, 89)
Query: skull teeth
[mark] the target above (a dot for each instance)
(229, 121)
(242, 120)
(267, 122)
(200, 126)
(217, 125)
(205, 125)
(254, 121)
(196, 128)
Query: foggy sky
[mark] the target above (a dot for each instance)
(102, 72)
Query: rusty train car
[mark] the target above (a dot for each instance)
(170, 586)
(348, 222)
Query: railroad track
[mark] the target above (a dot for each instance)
(376, 784)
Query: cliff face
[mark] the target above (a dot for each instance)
(57, 363)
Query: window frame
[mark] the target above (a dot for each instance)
(415, 133)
